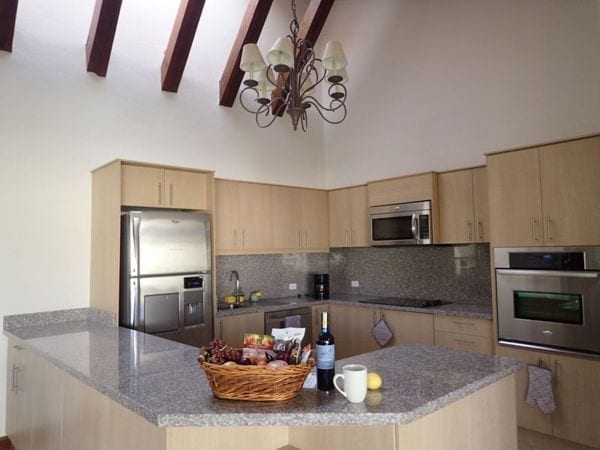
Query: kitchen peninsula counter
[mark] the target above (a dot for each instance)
(472, 311)
(143, 376)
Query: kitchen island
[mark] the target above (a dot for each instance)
(80, 382)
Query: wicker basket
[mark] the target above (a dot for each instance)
(255, 383)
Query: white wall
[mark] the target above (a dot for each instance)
(57, 123)
(434, 84)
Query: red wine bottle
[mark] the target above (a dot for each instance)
(325, 356)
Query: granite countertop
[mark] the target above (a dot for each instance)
(453, 309)
(162, 381)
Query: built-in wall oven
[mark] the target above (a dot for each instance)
(401, 224)
(549, 298)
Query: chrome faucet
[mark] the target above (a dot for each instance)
(237, 280)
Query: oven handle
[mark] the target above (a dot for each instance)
(548, 273)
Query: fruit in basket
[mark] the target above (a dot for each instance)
(218, 352)
(276, 364)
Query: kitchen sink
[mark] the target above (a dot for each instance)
(223, 306)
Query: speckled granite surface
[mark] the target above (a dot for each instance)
(454, 309)
(161, 380)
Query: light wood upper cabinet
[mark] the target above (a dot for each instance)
(348, 217)
(163, 188)
(463, 206)
(242, 217)
(187, 190)
(287, 225)
(142, 186)
(515, 198)
(547, 195)
(315, 219)
(481, 209)
(412, 188)
(570, 181)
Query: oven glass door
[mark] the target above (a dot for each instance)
(553, 309)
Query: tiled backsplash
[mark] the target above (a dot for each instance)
(270, 274)
(457, 273)
(460, 273)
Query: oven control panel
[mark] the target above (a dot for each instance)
(547, 260)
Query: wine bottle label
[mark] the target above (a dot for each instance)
(325, 356)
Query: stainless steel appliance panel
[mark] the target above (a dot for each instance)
(165, 242)
(401, 224)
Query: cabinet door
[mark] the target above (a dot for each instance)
(528, 416)
(359, 212)
(232, 328)
(287, 226)
(255, 216)
(315, 219)
(316, 321)
(456, 207)
(481, 205)
(46, 392)
(408, 327)
(571, 192)
(19, 397)
(142, 186)
(340, 220)
(227, 236)
(186, 190)
(515, 198)
(351, 328)
(577, 395)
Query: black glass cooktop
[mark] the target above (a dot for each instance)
(412, 302)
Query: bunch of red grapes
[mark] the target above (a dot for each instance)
(219, 352)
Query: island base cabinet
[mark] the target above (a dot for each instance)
(18, 398)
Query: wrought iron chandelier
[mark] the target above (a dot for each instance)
(299, 73)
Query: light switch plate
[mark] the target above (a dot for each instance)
(293, 286)
(354, 283)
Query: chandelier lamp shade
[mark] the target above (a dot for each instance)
(289, 77)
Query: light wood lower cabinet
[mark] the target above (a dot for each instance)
(18, 397)
(461, 333)
(576, 384)
(46, 390)
(351, 328)
(408, 327)
(232, 328)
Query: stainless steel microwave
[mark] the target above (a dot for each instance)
(401, 224)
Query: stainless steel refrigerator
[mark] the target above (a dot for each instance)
(165, 283)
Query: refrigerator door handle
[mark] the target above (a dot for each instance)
(135, 244)
(134, 307)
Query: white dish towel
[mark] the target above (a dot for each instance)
(540, 391)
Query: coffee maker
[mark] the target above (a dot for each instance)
(321, 282)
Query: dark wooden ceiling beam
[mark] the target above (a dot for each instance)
(101, 36)
(8, 18)
(311, 26)
(180, 43)
(249, 32)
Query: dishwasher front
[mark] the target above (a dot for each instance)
(277, 319)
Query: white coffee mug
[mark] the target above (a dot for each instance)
(355, 382)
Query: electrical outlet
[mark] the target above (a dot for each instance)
(293, 286)
(354, 283)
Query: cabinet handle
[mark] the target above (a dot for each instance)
(464, 341)
(346, 238)
(463, 324)
(556, 369)
(16, 370)
(235, 237)
(469, 230)
(549, 228)
(243, 237)
(14, 377)
(534, 227)
(480, 225)
(171, 194)
(160, 200)
(353, 239)
(299, 238)
(306, 239)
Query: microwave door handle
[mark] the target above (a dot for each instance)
(414, 226)
(548, 273)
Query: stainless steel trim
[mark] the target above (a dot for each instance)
(591, 254)
(401, 207)
(547, 273)
(546, 347)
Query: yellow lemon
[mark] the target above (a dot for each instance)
(374, 381)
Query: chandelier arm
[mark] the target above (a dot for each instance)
(249, 88)
(312, 100)
(338, 85)
(320, 111)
